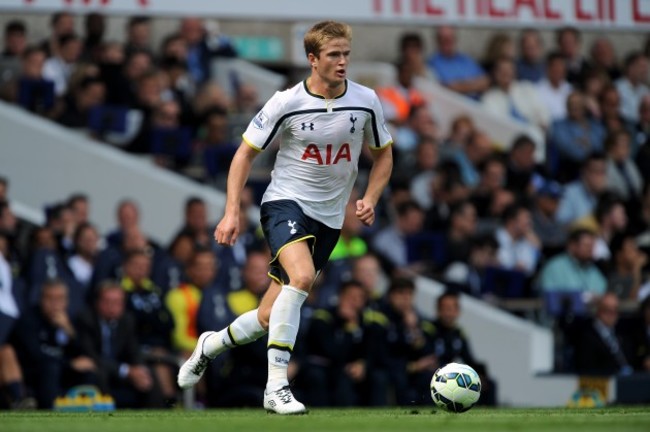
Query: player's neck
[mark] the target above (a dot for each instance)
(319, 87)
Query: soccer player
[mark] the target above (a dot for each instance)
(322, 124)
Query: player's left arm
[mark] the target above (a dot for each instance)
(382, 167)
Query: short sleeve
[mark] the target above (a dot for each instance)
(376, 132)
(266, 124)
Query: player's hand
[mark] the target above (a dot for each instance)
(365, 212)
(227, 231)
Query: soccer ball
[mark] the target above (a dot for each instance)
(455, 387)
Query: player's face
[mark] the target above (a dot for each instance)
(332, 62)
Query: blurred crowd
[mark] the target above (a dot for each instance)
(564, 242)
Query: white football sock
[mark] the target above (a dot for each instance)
(245, 329)
(283, 329)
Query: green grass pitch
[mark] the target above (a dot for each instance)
(613, 419)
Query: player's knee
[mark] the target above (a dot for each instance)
(263, 316)
(303, 280)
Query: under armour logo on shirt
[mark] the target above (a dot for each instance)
(353, 119)
(292, 224)
(309, 126)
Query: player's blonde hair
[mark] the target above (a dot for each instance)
(323, 32)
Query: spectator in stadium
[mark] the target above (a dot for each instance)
(638, 339)
(247, 101)
(399, 99)
(641, 146)
(499, 46)
(603, 58)
(421, 127)
(519, 246)
(333, 360)
(632, 85)
(608, 219)
(447, 190)
(623, 176)
(592, 86)
(490, 197)
(599, 349)
(124, 89)
(62, 24)
(208, 96)
(515, 100)
(195, 222)
(79, 205)
(155, 111)
(568, 40)
(203, 47)
(138, 35)
(456, 70)
(611, 118)
(580, 196)
(47, 347)
(410, 359)
(476, 149)
(127, 216)
(180, 252)
(109, 261)
(95, 28)
(462, 228)
(467, 276)
(184, 300)
(575, 137)
(391, 242)
(166, 137)
(90, 94)
(15, 40)
(554, 88)
(173, 46)
(523, 174)
(574, 270)
(530, 64)
(216, 149)
(545, 204)
(367, 270)
(423, 172)
(59, 217)
(154, 324)
(29, 88)
(450, 343)
(181, 86)
(625, 276)
(86, 250)
(411, 51)
(59, 67)
(460, 131)
(107, 334)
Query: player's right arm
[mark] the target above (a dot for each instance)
(227, 230)
(259, 134)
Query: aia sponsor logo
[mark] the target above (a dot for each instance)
(328, 156)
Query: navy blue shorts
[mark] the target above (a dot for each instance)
(284, 222)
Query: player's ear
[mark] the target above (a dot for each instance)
(311, 57)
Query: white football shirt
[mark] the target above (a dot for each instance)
(320, 143)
